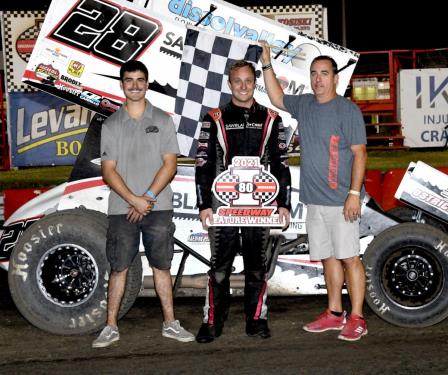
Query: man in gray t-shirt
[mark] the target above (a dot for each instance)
(333, 160)
(138, 160)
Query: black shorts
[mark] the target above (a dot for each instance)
(123, 240)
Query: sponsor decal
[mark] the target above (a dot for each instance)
(47, 72)
(246, 189)
(91, 98)
(75, 68)
(204, 135)
(109, 105)
(152, 129)
(198, 237)
(72, 81)
(55, 55)
(254, 125)
(187, 11)
(69, 89)
(234, 126)
(431, 199)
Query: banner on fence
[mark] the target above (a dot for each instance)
(45, 130)
(424, 107)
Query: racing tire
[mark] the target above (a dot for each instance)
(58, 273)
(407, 214)
(407, 275)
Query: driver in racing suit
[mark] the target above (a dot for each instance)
(241, 128)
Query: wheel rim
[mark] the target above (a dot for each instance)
(412, 277)
(67, 275)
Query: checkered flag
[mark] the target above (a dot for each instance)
(203, 79)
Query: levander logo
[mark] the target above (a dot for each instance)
(186, 11)
(434, 90)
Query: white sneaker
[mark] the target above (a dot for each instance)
(174, 330)
(107, 337)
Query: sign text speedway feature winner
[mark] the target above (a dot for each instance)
(246, 189)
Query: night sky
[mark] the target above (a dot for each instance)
(381, 24)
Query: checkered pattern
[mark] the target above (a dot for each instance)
(265, 195)
(227, 196)
(11, 21)
(317, 9)
(229, 178)
(203, 80)
(31, 35)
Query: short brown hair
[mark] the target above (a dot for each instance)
(241, 64)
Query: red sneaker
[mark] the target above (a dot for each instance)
(325, 322)
(354, 329)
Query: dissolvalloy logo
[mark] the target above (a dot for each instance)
(246, 189)
(187, 12)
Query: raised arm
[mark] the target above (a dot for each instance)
(273, 88)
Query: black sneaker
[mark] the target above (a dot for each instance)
(258, 328)
(207, 333)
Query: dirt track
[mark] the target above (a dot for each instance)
(142, 349)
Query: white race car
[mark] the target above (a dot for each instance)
(54, 249)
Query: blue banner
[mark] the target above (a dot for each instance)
(45, 130)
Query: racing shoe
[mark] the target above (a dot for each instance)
(326, 321)
(173, 330)
(208, 332)
(258, 328)
(107, 337)
(354, 329)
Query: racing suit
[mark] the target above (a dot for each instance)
(227, 132)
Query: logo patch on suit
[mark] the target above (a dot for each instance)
(152, 129)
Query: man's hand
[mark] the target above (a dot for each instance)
(204, 215)
(133, 216)
(141, 206)
(283, 214)
(352, 208)
(266, 53)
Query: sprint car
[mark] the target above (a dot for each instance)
(53, 248)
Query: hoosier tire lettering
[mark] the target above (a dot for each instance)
(59, 273)
(406, 269)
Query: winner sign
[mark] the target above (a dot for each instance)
(246, 189)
